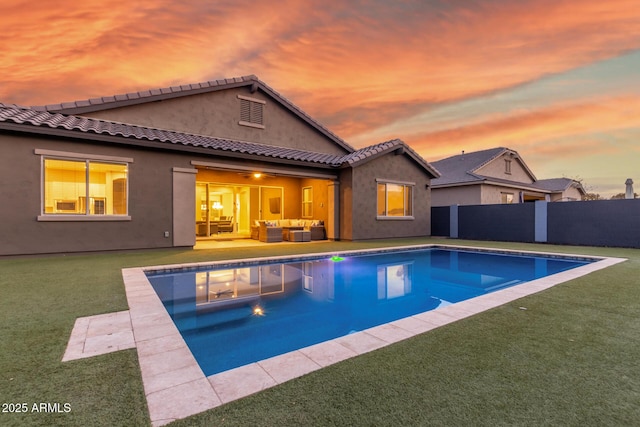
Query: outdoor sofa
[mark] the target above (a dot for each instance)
(279, 230)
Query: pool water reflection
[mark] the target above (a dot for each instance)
(231, 317)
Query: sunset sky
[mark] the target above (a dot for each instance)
(556, 80)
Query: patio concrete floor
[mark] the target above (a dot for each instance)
(243, 243)
(176, 387)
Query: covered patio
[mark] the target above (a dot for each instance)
(233, 200)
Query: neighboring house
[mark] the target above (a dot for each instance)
(148, 169)
(496, 175)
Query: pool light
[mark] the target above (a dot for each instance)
(337, 258)
(258, 311)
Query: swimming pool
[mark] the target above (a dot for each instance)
(238, 313)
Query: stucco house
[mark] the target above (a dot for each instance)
(158, 168)
(493, 176)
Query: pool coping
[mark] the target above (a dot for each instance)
(176, 387)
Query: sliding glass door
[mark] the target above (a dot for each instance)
(232, 208)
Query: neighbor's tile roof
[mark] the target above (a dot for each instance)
(558, 184)
(459, 169)
(554, 184)
(26, 117)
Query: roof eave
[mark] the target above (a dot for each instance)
(485, 181)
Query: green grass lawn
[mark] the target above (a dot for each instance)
(571, 358)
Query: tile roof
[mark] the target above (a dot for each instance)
(46, 120)
(373, 151)
(459, 169)
(26, 119)
(133, 98)
(106, 102)
(558, 184)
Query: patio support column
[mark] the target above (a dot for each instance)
(184, 206)
(540, 219)
(333, 211)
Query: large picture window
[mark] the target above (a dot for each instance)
(84, 187)
(395, 200)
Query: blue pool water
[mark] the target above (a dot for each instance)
(242, 313)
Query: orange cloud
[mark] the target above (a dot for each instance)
(325, 56)
(362, 67)
(79, 50)
(537, 130)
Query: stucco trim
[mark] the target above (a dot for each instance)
(276, 171)
(394, 181)
(81, 218)
(519, 186)
(85, 156)
(395, 218)
(185, 170)
(251, 125)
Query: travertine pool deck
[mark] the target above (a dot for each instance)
(176, 387)
(95, 335)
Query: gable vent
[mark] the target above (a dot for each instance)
(251, 112)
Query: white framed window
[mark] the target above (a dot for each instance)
(307, 202)
(251, 112)
(77, 188)
(395, 200)
(507, 198)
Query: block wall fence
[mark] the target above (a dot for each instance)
(614, 223)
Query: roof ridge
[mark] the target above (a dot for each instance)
(15, 106)
(146, 93)
(471, 153)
